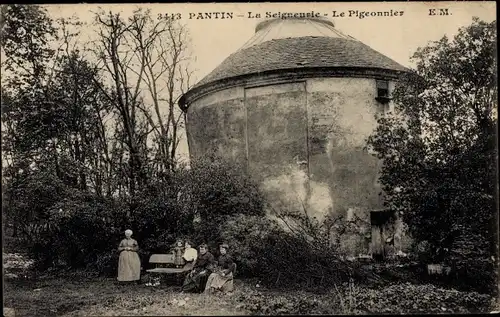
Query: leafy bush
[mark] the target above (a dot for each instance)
(215, 191)
(470, 260)
(82, 229)
(468, 257)
(248, 237)
(410, 298)
(476, 274)
(73, 228)
(353, 299)
(158, 216)
(284, 258)
(27, 199)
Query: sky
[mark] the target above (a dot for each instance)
(212, 40)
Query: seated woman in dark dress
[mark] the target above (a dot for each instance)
(196, 279)
(222, 277)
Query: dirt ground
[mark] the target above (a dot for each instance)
(104, 297)
(75, 294)
(71, 294)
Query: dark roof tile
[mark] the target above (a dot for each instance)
(310, 51)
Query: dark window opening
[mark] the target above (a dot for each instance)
(383, 91)
(382, 217)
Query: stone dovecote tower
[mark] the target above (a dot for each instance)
(294, 106)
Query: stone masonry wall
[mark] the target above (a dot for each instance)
(303, 141)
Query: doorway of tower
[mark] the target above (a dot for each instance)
(382, 237)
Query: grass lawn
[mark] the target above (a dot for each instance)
(77, 295)
(103, 297)
(84, 297)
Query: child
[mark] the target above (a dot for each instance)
(179, 252)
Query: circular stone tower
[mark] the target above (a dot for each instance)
(294, 106)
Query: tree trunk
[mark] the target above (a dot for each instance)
(14, 229)
(56, 160)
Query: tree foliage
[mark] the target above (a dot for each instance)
(26, 33)
(87, 122)
(82, 111)
(439, 147)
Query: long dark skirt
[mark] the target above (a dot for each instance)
(195, 282)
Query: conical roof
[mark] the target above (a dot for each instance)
(284, 44)
(281, 29)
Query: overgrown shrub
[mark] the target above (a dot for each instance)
(410, 298)
(159, 217)
(474, 268)
(284, 258)
(27, 199)
(83, 229)
(248, 237)
(73, 228)
(468, 257)
(215, 191)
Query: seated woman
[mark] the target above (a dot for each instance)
(196, 279)
(190, 254)
(222, 278)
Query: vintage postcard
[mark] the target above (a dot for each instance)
(249, 158)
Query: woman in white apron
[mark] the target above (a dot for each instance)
(129, 264)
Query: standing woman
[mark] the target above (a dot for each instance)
(129, 264)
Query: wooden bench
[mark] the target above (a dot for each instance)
(163, 264)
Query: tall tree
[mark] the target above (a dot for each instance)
(25, 35)
(168, 76)
(52, 109)
(146, 62)
(439, 150)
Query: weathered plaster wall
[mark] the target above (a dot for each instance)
(303, 141)
(309, 143)
(341, 115)
(217, 123)
(277, 128)
(277, 141)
